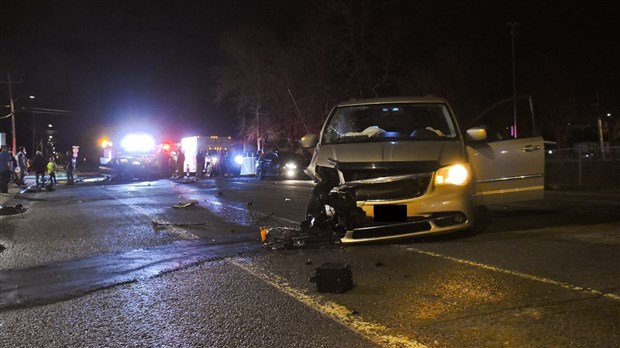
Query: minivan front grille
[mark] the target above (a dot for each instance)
(408, 187)
(395, 190)
(354, 171)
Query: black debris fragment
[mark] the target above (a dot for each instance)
(333, 278)
(379, 264)
(249, 204)
(286, 237)
(35, 188)
(187, 180)
(308, 262)
(12, 210)
(282, 237)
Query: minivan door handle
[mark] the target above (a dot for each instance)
(531, 148)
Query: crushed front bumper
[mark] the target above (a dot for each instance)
(439, 210)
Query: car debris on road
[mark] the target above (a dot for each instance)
(289, 237)
(12, 209)
(333, 278)
(185, 204)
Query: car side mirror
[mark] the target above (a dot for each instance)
(476, 134)
(309, 140)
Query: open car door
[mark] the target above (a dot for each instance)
(508, 164)
(508, 170)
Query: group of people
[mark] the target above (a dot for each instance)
(16, 168)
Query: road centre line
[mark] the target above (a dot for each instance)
(246, 210)
(191, 191)
(518, 274)
(376, 333)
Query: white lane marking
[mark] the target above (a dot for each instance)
(519, 274)
(376, 333)
(182, 233)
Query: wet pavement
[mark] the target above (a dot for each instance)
(215, 304)
(117, 265)
(64, 280)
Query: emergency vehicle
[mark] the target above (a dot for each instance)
(136, 156)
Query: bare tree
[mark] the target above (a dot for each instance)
(345, 50)
(247, 79)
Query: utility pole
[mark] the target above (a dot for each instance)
(599, 126)
(13, 136)
(513, 32)
(10, 82)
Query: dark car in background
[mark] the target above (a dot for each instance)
(281, 164)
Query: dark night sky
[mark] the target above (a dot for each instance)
(131, 61)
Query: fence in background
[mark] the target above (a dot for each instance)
(583, 166)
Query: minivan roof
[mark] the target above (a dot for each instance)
(393, 100)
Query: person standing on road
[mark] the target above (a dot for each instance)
(180, 163)
(22, 164)
(200, 163)
(14, 169)
(69, 171)
(6, 162)
(39, 164)
(51, 170)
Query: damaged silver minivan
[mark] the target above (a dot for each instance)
(401, 167)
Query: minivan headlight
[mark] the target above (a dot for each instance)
(456, 174)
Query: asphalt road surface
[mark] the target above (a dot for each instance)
(115, 264)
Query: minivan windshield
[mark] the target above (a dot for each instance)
(389, 122)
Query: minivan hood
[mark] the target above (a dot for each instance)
(444, 152)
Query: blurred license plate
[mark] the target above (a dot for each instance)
(390, 213)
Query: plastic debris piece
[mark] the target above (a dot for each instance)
(263, 234)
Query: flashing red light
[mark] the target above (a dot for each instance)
(166, 146)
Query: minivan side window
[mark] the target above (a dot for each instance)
(501, 124)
